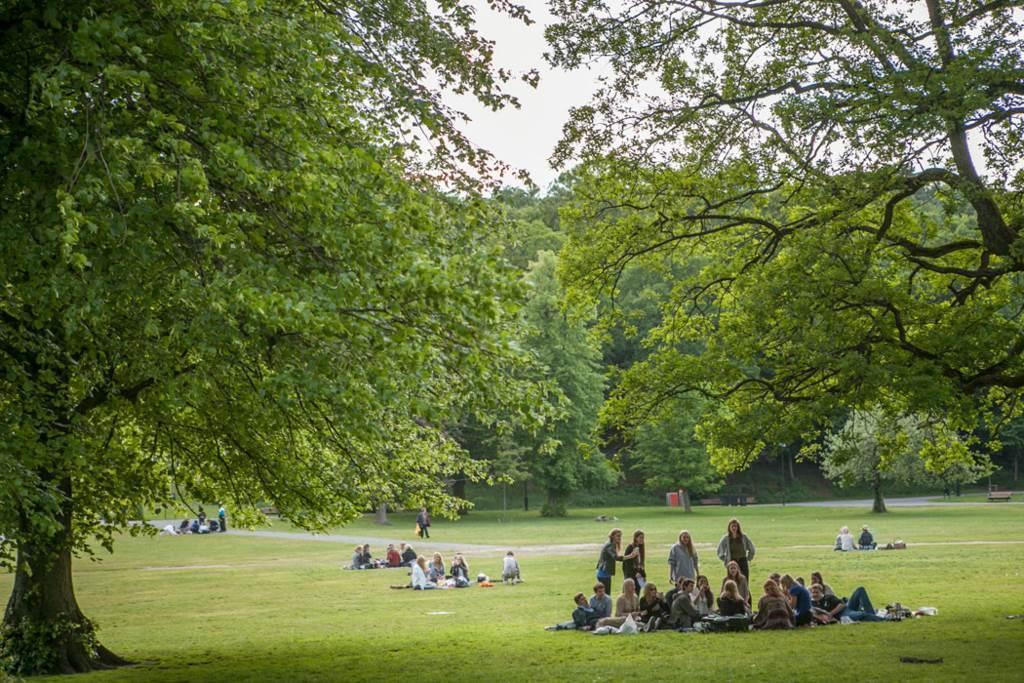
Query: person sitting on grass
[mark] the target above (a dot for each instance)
(653, 609)
(703, 597)
(683, 613)
(817, 579)
(731, 602)
(799, 600)
(419, 575)
(733, 574)
(510, 568)
(601, 602)
(394, 559)
(628, 603)
(844, 541)
(367, 558)
(460, 571)
(773, 609)
(583, 617)
(357, 558)
(866, 540)
(435, 572)
(408, 555)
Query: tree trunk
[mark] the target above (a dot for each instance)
(879, 505)
(684, 494)
(792, 474)
(45, 631)
(459, 490)
(1016, 463)
(382, 514)
(526, 496)
(555, 505)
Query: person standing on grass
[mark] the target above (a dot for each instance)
(633, 567)
(222, 515)
(610, 554)
(423, 521)
(682, 559)
(799, 600)
(736, 547)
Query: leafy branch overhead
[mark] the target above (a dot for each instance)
(845, 177)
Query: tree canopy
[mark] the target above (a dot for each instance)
(228, 271)
(845, 174)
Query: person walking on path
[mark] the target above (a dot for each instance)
(222, 515)
(610, 554)
(682, 559)
(736, 547)
(423, 522)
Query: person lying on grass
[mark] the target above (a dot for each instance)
(627, 604)
(585, 616)
(829, 609)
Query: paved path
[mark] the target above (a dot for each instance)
(914, 501)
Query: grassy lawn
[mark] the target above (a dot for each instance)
(234, 608)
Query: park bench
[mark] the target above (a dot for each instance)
(729, 500)
(999, 495)
(268, 511)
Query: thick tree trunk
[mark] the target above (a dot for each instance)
(459, 490)
(879, 505)
(555, 505)
(45, 631)
(526, 496)
(792, 474)
(684, 494)
(382, 514)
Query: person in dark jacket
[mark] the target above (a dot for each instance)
(408, 555)
(730, 602)
(610, 554)
(683, 613)
(866, 540)
(423, 522)
(633, 562)
(653, 609)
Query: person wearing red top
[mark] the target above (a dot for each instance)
(394, 559)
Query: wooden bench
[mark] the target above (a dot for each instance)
(731, 500)
(710, 501)
(999, 495)
(270, 511)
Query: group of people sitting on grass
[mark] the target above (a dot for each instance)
(785, 603)
(199, 525)
(429, 575)
(404, 556)
(845, 541)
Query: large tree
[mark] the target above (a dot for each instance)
(224, 265)
(847, 173)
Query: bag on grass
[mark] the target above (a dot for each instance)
(628, 627)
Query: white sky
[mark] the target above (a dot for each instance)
(524, 138)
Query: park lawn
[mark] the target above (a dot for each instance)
(773, 525)
(236, 608)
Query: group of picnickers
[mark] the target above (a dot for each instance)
(691, 604)
(427, 575)
(200, 525)
(403, 556)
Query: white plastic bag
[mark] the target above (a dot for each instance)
(927, 612)
(629, 627)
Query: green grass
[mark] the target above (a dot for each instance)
(261, 609)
